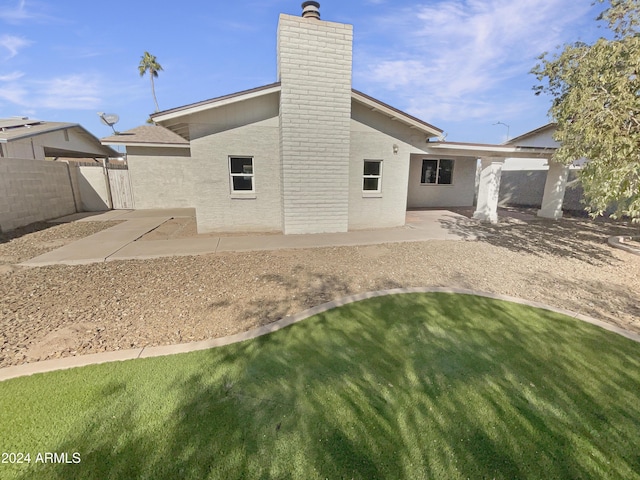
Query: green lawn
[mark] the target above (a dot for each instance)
(406, 386)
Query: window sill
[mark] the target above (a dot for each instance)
(243, 196)
(371, 194)
(436, 184)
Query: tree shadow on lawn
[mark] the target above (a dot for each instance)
(579, 238)
(318, 288)
(395, 387)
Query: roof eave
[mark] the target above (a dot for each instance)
(530, 133)
(146, 144)
(395, 114)
(483, 150)
(34, 132)
(215, 103)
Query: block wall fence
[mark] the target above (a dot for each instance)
(38, 190)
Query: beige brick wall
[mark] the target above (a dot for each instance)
(314, 68)
(32, 191)
(161, 178)
(387, 209)
(217, 209)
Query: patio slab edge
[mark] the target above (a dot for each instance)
(163, 350)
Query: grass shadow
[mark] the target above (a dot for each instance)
(409, 386)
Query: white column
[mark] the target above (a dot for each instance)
(489, 189)
(554, 188)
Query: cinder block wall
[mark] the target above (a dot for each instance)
(526, 188)
(32, 191)
(314, 68)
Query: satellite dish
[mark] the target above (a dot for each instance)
(109, 119)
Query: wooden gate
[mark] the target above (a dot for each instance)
(120, 186)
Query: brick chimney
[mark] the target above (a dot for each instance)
(314, 68)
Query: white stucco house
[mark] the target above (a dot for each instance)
(308, 153)
(28, 138)
(524, 181)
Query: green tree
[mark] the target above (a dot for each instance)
(596, 106)
(148, 63)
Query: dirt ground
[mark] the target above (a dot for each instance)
(60, 310)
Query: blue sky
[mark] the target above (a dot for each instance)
(461, 65)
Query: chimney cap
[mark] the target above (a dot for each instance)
(310, 9)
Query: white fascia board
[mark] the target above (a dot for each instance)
(492, 150)
(215, 104)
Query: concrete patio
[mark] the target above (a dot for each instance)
(120, 242)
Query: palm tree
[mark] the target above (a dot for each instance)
(148, 63)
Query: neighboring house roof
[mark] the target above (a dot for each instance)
(12, 129)
(15, 122)
(149, 136)
(521, 138)
(9, 130)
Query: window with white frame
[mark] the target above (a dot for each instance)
(372, 176)
(241, 171)
(437, 172)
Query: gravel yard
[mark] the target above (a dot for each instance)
(58, 311)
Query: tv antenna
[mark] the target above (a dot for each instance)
(109, 119)
(508, 127)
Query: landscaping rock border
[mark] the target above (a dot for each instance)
(159, 351)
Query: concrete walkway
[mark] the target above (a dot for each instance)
(159, 351)
(119, 242)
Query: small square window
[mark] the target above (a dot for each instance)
(437, 172)
(241, 171)
(372, 176)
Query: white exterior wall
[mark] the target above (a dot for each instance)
(458, 194)
(34, 147)
(388, 208)
(33, 191)
(314, 68)
(217, 209)
(161, 177)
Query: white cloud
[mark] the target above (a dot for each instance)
(12, 44)
(79, 92)
(454, 57)
(11, 77)
(14, 14)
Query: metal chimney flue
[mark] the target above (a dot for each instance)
(311, 10)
